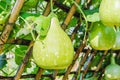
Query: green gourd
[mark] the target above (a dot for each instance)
(110, 12)
(56, 50)
(112, 71)
(101, 37)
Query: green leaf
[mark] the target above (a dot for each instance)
(20, 53)
(27, 66)
(3, 61)
(34, 71)
(90, 12)
(95, 4)
(61, 13)
(73, 22)
(14, 31)
(43, 24)
(2, 6)
(96, 60)
(27, 14)
(30, 4)
(93, 18)
(23, 31)
(28, 26)
(91, 78)
(3, 18)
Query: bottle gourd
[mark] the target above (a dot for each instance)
(56, 50)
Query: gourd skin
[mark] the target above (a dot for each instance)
(112, 72)
(109, 12)
(101, 37)
(56, 50)
(117, 42)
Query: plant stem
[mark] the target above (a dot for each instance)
(51, 5)
(32, 35)
(113, 59)
(86, 29)
(29, 27)
(38, 37)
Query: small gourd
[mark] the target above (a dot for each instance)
(112, 71)
(101, 37)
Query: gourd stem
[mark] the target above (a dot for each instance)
(112, 59)
(37, 37)
(51, 5)
(32, 35)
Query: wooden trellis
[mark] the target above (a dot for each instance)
(70, 13)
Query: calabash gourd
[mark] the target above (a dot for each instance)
(101, 37)
(112, 71)
(56, 50)
(109, 12)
